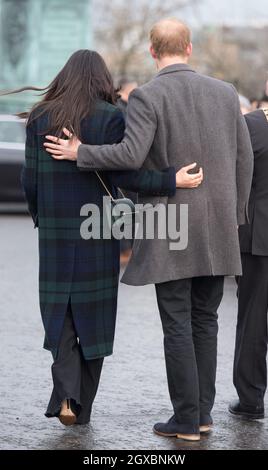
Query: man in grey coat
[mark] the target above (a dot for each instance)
(178, 117)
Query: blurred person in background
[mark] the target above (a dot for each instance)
(78, 279)
(250, 369)
(181, 115)
(245, 104)
(263, 102)
(126, 86)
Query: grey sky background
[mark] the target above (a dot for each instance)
(231, 12)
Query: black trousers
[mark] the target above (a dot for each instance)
(73, 376)
(250, 371)
(188, 310)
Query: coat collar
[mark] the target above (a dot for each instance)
(175, 68)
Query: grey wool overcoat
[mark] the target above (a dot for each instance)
(177, 118)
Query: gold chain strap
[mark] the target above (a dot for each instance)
(98, 175)
(105, 187)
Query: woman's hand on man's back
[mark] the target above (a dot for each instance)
(184, 179)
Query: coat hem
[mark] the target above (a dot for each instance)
(99, 356)
(87, 358)
(177, 277)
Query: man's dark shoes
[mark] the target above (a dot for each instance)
(249, 412)
(172, 429)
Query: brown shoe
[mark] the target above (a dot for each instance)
(67, 417)
(205, 429)
(189, 437)
(125, 257)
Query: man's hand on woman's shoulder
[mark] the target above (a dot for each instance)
(63, 149)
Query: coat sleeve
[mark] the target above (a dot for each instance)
(131, 152)
(146, 182)
(244, 167)
(29, 172)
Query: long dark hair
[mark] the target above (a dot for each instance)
(72, 95)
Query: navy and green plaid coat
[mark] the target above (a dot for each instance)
(82, 272)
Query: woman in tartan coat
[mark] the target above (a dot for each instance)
(78, 279)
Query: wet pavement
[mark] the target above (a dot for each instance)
(133, 391)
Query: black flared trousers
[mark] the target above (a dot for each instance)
(73, 377)
(250, 369)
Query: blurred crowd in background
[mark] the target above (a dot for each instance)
(229, 38)
(248, 105)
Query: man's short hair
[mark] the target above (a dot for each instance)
(170, 37)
